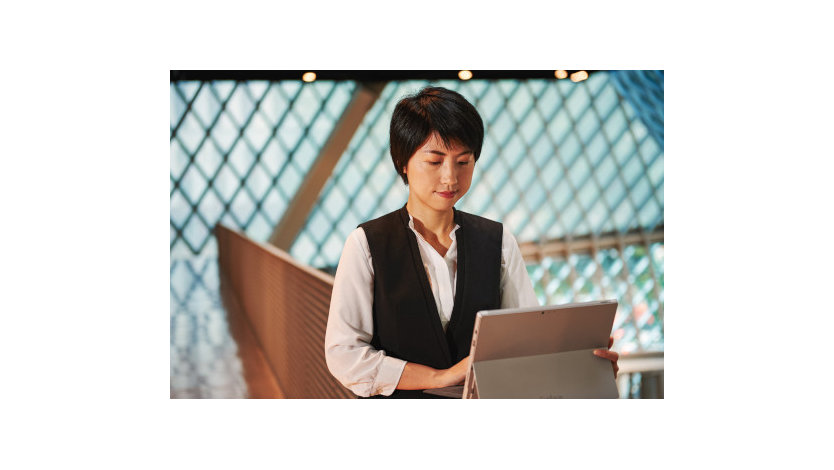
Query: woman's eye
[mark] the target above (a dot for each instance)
(464, 163)
(434, 163)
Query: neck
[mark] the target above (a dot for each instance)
(427, 220)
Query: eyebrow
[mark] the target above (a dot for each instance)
(442, 154)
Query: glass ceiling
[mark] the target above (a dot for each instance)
(559, 160)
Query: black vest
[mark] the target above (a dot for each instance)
(405, 317)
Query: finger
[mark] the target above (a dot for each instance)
(611, 356)
(604, 353)
(610, 342)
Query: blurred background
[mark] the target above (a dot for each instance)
(572, 164)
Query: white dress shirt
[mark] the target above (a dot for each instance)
(351, 359)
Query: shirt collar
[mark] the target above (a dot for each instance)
(411, 226)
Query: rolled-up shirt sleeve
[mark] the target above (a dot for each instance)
(350, 358)
(516, 286)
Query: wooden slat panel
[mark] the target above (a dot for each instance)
(287, 304)
(260, 380)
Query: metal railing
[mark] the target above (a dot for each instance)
(641, 375)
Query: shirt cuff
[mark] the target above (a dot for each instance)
(390, 371)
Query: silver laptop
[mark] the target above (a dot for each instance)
(540, 352)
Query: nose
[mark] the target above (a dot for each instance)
(449, 174)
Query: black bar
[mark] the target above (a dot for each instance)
(360, 75)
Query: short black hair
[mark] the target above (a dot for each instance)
(433, 109)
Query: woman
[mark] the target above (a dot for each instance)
(409, 283)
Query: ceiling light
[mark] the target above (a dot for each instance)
(464, 74)
(561, 74)
(309, 77)
(579, 76)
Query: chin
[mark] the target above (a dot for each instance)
(450, 204)
(441, 206)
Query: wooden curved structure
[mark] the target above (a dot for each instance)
(286, 303)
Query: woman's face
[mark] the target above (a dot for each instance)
(439, 176)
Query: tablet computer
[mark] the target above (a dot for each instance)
(542, 352)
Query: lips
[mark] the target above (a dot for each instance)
(447, 194)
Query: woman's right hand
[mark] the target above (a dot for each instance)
(419, 377)
(456, 374)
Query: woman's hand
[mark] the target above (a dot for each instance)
(610, 355)
(420, 377)
(456, 374)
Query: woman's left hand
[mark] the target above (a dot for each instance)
(610, 355)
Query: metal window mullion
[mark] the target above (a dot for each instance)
(192, 156)
(656, 285)
(480, 97)
(241, 137)
(515, 129)
(594, 167)
(223, 104)
(366, 134)
(489, 165)
(637, 145)
(225, 153)
(366, 177)
(572, 270)
(190, 290)
(584, 155)
(304, 134)
(191, 214)
(317, 208)
(257, 110)
(630, 289)
(619, 174)
(337, 179)
(242, 178)
(277, 125)
(188, 107)
(528, 148)
(646, 165)
(592, 175)
(210, 187)
(598, 269)
(197, 278)
(288, 152)
(249, 192)
(493, 119)
(191, 247)
(174, 264)
(303, 202)
(651, 196)
(387, 189)
(566, 170)
(188, 165)
(610, 240)
(562, 176)
(547, 278)
(179, 235)
(207, 135)
(593, 134)
(333, 181)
